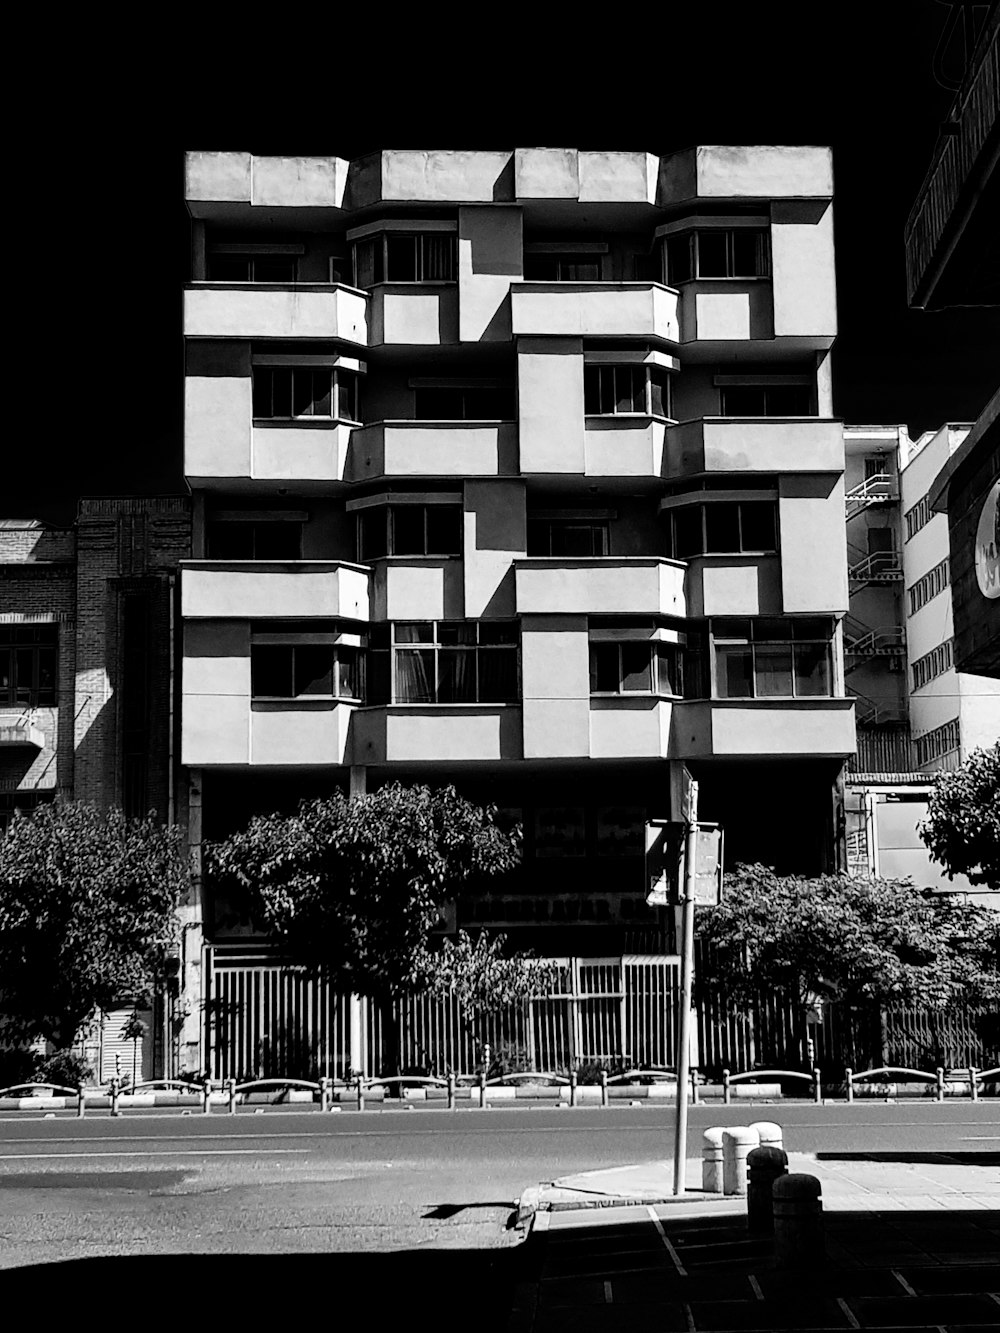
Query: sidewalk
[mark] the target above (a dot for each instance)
(909, 1244)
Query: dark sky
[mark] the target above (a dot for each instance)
(103, 209)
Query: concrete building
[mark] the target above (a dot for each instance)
(916, 714)
(517, 470)
(951, 260)
(87, 680)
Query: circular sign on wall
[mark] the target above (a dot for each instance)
(988, 545)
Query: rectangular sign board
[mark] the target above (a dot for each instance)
(708, 866)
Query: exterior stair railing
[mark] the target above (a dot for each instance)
(879, 567)
(878, 489)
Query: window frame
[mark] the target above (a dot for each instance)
(379, 243)
(598, 525)
(334, 637)
(436, 646)
(389, 511)
(766, 390)
(692, 235)
(752, 640)
(26, 637)
(595, 374)
(658, 651)
(338, 390)
(675, 511)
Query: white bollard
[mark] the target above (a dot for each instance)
(711, 1160)
(769, 1133)
(737, 1142)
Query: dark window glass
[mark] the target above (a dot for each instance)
(722, 527)
(713, 254)
(562, 268)
(538, 537)
(501, 632)
(757, 521)
(734, 671)
(659, 392)
(670, 669)
(637, 673)
(281, 393)
(273, 268)
(812, 668)
(772, 669)
(271, 671)
(28, 664)
(456, 676)
(229, 268)
(414, 631)
(437, 253)
(438, 404)
(401, 258)
(229, 541)
(408, 530)
(688, 538)
(789, 400)
(498, 673)
(744, 400)
(604, 668)
(348, 673)
(313, 669)
(749, 253)
(679, 264)
(371, 534)
(302, 393)
(262, 381)
(322, 393)
(415, 683)
(444, 530)
(578, 540)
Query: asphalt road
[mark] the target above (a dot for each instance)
(284, 1182)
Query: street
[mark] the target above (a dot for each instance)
(294, 1183)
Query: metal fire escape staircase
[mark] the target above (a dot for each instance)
(878, 489)
(862, 643)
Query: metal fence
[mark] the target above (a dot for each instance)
(267, 1019)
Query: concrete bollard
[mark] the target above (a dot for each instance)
(764, 1166)
(361, 1094)
(114, 1089)
(604, 1087)
(711, 1160)
(451, 1092)
(572, 1087)
(973, 1084)
(230, 1088)
(727, 1092)
(737, 1141)
(769, 1133)
(482, 1090)
(798, 1222)
(849, 1079)
(206, 1105)
(939, 1079)
(695, 1099)
(325, 1093)
(80, 1102)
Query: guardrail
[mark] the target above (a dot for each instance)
(751, 1075)
(937, 1077)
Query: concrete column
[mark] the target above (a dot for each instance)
(824, 385)
(359, 781)
(191, 1037)
(737, 1144)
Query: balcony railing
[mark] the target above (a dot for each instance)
(602, 585)
(882, 488)
(266, 589)
(304, 310)
(879, 567)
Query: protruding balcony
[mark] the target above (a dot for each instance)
(625, 446)
(435, 733)
(282, 589)
(20, 733)
(763, 728)
(605, 585)
(754, 444)
(433, 449)
(642, 310)
(413, 314)
(306, 310)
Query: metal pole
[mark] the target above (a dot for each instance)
(687, 979)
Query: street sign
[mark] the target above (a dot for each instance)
(708, 866)
(663, 851)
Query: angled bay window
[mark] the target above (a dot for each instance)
(758, 658)
(718, 252)
(409, 530)
(402, 256)
(285, 393)
(644, 655)
(574, 535)
(28, 664)
(626, 389)
(723, 527)
(306, 660)
(445, 662)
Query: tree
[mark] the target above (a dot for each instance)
(88, 902)
(862, 942)
(484, 977)
(356, 886)
(962, 828)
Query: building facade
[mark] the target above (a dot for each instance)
(517, 470)
(951, 260)
(87, 681)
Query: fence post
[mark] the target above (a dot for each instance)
(973, 1085)
(207, 1093)
(451, 1092)
(604, 1087)
(231, 1095)
(726, 1094)
(361, 1094)
(817, 1087)
(849, 1076)
(482, 1090)
(114, 1097)
(695, 1100)
(324, 1094)
(939, 1072)
(79, 1101)
(572, 1087)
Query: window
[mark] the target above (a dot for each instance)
(305, 660)
(571, 538)
(292, 392)
(409, 529)
(937, 743)
(562, 267)
(226, 539)
(457, 402)
(919, 515)
(933, 582)
(28, 665)
(932, 664)
(725, 527)
(446, 661)
(635, 667)
(251, 268)
(767, 400)
(760, 659)
(739, 252)
(615, 390)
(396, 256)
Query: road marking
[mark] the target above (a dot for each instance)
(756, 1288)
(849, 1314)
(608, 1295)
(153, 1152)
(981, 1138)
(666, 1242)
(903, 1283)
(132, 1138)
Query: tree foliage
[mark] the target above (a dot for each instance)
(962, 828)
(859, 941)
(482, 974)
(88, 905)
(356, 886)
